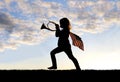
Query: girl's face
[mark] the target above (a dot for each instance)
(64, 23)
(61, 25)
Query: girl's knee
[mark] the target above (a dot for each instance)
(72, 58)
(52, 53)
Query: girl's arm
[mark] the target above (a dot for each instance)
(57, 34)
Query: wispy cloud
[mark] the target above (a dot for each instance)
(20, 21)
(96, 15)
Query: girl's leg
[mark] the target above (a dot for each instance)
(53, 52)
(74, 60)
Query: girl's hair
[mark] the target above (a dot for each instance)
(65, 22)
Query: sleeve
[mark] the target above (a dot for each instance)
(57, 34)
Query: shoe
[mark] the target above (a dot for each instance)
(52, 67)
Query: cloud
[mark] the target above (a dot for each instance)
(14, 32)
(95, 16)
(20, 21)
(6, 22)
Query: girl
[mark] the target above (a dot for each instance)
(63, 43)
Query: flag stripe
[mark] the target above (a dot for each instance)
(77, 41)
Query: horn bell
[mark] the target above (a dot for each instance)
(43, 26)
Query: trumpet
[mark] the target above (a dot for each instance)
(47, 27)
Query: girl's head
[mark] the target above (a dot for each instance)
(65, 23)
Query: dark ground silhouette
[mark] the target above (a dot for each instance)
(72, 75)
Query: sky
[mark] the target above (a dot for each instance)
(24, 46)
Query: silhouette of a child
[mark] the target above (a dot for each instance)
(63, 43)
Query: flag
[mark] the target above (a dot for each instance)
(77, 41)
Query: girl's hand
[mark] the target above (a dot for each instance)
(56, 25)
